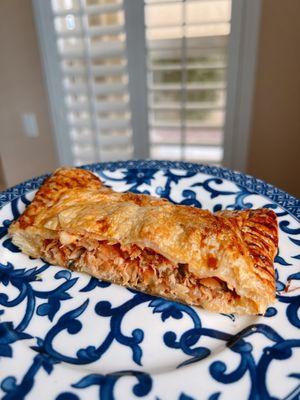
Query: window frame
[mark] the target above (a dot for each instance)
(241, 75)
(43, 18)
(242, 50)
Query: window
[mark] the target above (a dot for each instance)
(92, 50)
(136, 79)
(187, 61)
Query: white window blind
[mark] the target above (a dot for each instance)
(187, 59)
(149, 78)
(92, 49)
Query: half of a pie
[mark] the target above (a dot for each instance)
(222, 262)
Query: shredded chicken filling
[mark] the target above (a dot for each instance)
(133, 266)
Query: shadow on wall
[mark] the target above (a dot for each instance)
(2, 179)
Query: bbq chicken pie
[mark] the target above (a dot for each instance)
(222, 262)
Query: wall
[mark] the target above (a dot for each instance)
(275, 141)
(22, 90)
(2, 179)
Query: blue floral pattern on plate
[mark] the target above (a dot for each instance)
(67, 336)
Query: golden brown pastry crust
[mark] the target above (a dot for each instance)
(237, 247)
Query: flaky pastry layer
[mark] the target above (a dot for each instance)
(222, 262)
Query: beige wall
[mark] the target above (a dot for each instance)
(2, 179)
(275, 140)
(22, 90)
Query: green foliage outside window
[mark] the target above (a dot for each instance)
(188, 76)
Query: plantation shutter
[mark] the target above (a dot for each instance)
(137, 78)
(187, 59)
(91, 44)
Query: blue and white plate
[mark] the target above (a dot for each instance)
(67, 336)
